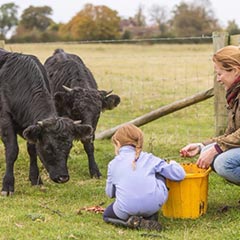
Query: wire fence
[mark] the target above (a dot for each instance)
(148, 74)
(153, 75)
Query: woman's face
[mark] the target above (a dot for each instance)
(224, 77)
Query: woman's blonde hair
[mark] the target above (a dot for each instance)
(228, 57)
(129, 134)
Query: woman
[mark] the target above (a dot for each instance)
(222, 153)
(137, 180)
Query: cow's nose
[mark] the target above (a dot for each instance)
(63, 179)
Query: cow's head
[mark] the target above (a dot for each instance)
(84, 104)
(53, 139)
(109, 101)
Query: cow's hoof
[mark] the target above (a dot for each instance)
(37, 181)
(96, 175)
(6, 193)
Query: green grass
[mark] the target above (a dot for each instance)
(146, 77)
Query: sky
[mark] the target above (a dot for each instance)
(63, 10)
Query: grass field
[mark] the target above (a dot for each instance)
(145, 77)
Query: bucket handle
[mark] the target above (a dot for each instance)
(201, 208)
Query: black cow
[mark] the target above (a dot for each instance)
(77, 96)
(27, 109)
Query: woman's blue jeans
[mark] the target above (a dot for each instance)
(227, 164)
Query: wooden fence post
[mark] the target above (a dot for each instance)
(220, 39)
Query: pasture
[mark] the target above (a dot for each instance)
(145, 77)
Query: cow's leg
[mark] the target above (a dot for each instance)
(9, 139)
(33, 170)
(93, 167)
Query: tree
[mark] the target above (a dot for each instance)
(36, 17)
(92, 23)
(194, 19)
(233, 28)
(36, 26)
(158, 15)
(8, 18)
(139, 17)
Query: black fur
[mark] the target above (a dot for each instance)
(84, 102)
(27, 109)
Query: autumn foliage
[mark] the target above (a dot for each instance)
(97, 23)
(92, 23)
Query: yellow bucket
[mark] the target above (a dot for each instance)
(188, 198)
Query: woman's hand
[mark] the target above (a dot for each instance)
(191, 150)
(206, 157)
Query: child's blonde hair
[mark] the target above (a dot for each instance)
(129, 134)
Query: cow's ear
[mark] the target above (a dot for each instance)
(82, 131)
(32, 133)
(110, 102)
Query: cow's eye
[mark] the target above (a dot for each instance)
(76, 113)
(68, 144)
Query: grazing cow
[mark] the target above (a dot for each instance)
(77, 96)
(27, 109)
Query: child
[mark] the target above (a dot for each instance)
(137, 180)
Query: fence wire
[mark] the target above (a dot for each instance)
(148, 74)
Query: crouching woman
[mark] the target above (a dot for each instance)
(136, 179)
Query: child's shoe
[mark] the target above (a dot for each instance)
(141, 223)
